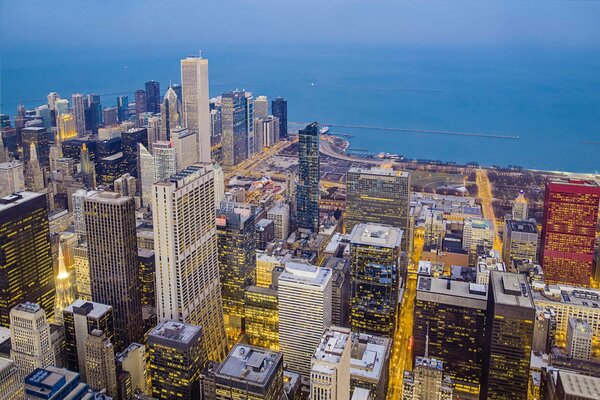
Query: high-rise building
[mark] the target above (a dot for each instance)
(267, 132)
(304, 313)
(308, 193)
(478, 236)
(81, 263)
(65, 290)
(114, 265)
(237, 261)
(134, 361)
(100, 366)
(261, 317)
(11, 178)
(370, 364)
(519, 208)
(187, 260)
(26, 271)
(452, 316)
(140, 101)
(171, 113)
(78, 108)
(130, 141)
(509, 335)
(194, 81)
(520, 241)
(375, 258)
(31, 346)
(61, 106)
(184, 143)
(280, 214)
(176, 358)
(39, 137)
(67, 128)
(147, 277)
(80, 319)
(569, 231)
(330, 366)
(579, 339)
(251, 373)
(154, 126)
(234, 139)
(34, 177)
(110, 116)
(279, 110)
(122, 108)
(250, 147)
(11, 386)
(152, 97)
(52, 383)
(261, 107)
(341, 288)
(426, 381)
(165, 160)
(378, 196)
(94, 109)
(147, 174)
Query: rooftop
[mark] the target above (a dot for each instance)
(250, 364)
(569, 295)
(479, 223)
(88, 308)
(445, 291)
(176, 333)
(332, 345)
(305, 274)
(368, 356)
(28, 307)
(573, 182)
(16, 199)
(511, 289)
(379, 172)
(376, 235)
(580, 325)
(430, 363)
(575, 384)
(187, 175)
(522, 226)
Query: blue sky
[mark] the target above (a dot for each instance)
(122, 23)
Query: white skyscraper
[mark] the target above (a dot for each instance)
(31, 346)
(165, 160)
(194, 83)
(304, 313)
(579, 339)
(184, 143)
(11, 177)
(100, 363)
(78, 220)
(250, 124)
(147, 174)
(330, 366)
(219, 184)
(185, 243)
(78, 105)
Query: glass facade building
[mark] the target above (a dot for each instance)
(262, 317)
(279, 110)
(307, 194)
(234, 125)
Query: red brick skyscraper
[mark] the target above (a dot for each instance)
(569, 231)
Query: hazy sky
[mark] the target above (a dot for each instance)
(108, 23)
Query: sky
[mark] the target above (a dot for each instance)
(162, 23)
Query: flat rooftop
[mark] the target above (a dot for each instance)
(175, 333)
(88, 308)
(187, 175)
(332, 345)
(369, 356)
(522, 226)
(305, 274)
(479, 223)
(379, 172)
(249, 364)
(445, 291)
(16, 199)
(569, 295)
(578, 385)
(511, 289)
(376, 235)
(573, 182)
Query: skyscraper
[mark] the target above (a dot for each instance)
(279, 110)
(237, 261)
(261, 107)
(65, 290)
(11, 386)
(34, 177)
(171, 113)
(187, 262)
(569, 231)
(509, 335)
(520, 241)
(234, 124)
(31, 346)
(519, 208)
(122, 108)
(579, 339)
(378, 196)
(78, 108)
(176, 358)
(375, 259)
(261, 317)
(95, 113)
(330, 366)
(140, 101)
(307, 195)
(26, 271)
(194, 81)
(152, 96)
(114, 265)
(11, 178)
(165, 160)
(130, 141)
(67, 129)
(304, 313)
(39, 137)
(147, 174)
(100, 363)
(250, 124)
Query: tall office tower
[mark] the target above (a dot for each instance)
(176, 358)
(11, 386)
(140, 101)
(330, 366)
(31, 346)
(478, 234)
(234, 139)
(100, 363)
(455, 313)
(94, 113)
(126, 185)
(216, 126)
(187, 260)
(519, 208)
(509, 334)
(88, 170)
(133, 360)
(11, 178)
(237, 261)
(341, 288)
(178, 90)
(194, 81)
(266, 132)
(77, 209)
(110, 116)
(153, 131)
(39, 137)
(579, 339)
(130, 141)
(250, 125)
(114, 266)
(258, 135)
(122, 108)
(219, 184)
(34, 177)
(280, 214)
(304, 313)
(52, 97)
(378, 196)
(26, 271)
(82, 271)
(279, 110)
(184, 143)
(261, 317)
(147, 174)
(426, 381)
(520, 241)
(250, 373)
(152, 96)
(61, 106)
(43, 113)
(65, 290)
(80, 319)
(78, 107)
(67, 129)
(375, 257)
(171, 114)
(569, 231)
(307, 196)
(165, 160)
(261, 107)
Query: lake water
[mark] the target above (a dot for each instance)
(549, 98)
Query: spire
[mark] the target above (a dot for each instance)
(427, 342)
(62, 269)
(32, 152)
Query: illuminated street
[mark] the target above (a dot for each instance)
(401, 355)
(485, 194)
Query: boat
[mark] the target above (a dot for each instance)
(324, 130)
